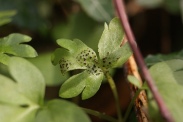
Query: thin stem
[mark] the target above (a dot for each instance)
(100, 115)
(114, 90)
(131, 105)
(130, 37)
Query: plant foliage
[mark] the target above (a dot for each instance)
(76, 55)
(102, 10)
(12, 45)
(21, 99)
(168, 77)
(5, 16)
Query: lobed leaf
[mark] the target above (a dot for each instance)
(74, 55)
(111, 38)
(83, 82)
(110, 51)
(11, 45)
(61, 111)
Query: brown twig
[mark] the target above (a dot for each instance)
(141, 101)
(130, 37)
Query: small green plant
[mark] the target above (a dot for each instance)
(76, 55)
(22, 91)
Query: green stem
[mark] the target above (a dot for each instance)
(114, 90)
(131, 105)
(100, 115)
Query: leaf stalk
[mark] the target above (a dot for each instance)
(100, 115)
(114, 91)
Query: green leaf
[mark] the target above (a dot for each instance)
(152, 59)
(168, 77)
(83, 82)
(5, 16)
(76, 55)
(89, 30)
(50, 73)
(133, 80)
(9, 92)
(61, 111)
(102, 10)
(122, 55)
(14, 113)
(11, 45)
(109, 48)
(20, 99)
(150, 3)
(29, 79)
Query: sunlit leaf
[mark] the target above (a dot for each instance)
(61, 111)
(12, 45)
(168, 77)
(101, 10)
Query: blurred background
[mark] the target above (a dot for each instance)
(157, 26)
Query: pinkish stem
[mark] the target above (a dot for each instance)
(119, 5)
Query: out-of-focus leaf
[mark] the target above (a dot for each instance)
(15, 113)
(173, 6)
(11, 89)
(29, 79)
(61, 111)
(153, 59)
(12, 45)
(89, 30)
(30, 14)
(20, 99)
(168, 77)
(100, 10)
(5, 16)
(51, 73)
(150, 3)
